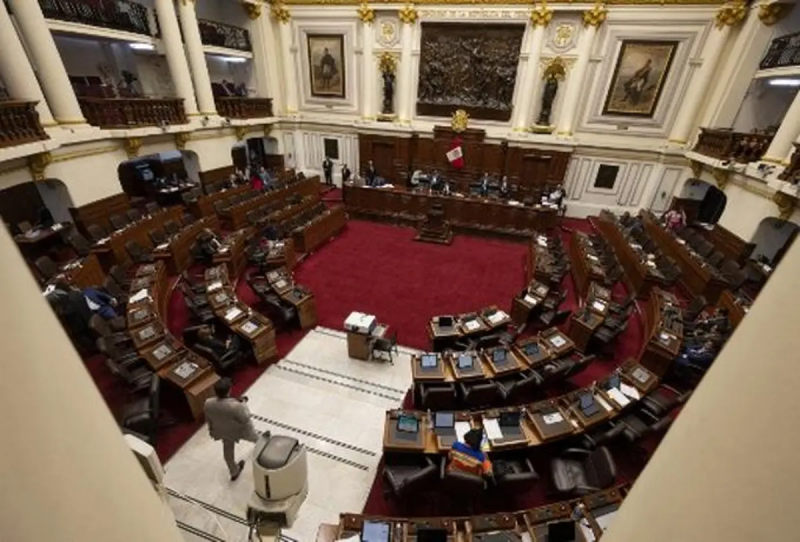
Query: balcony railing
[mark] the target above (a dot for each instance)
(784, 51)
(223, 35)
(725, 144)
(132, 112)
(792, 172)
(19, 123)
(244, 108)
(114, 14)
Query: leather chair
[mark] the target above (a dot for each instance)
(125, 358)
(80, 244)
(663, 399)
(694, 309)
(462, 486)
(202, 313)
(553, 318)
(133, 215)
(101, 328)
(518, 386)
(46, 267)
(716, 259)
(96, 232)
(171, 227)
(478, 395)
(157, 236)
(606, 434)
(384, 346)
(437, 396)
(578, 471)
(113, 289)
(221, 207)
(222, 364)
(120, 275)
(137, 253)
(152, 207)
(282, 314)
(136, 378)
(118, 221)
(635, 426)
(406, 476)
(24, 226)
(142, 415)
(556, 370)
(514, 474)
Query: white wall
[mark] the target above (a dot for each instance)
(763, 107)
(192, 165)
(695, 190)
(84, 57)
(312, 152)
(770, 236)
(56, 198)
(236, 72)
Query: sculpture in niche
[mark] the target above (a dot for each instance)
(460, 68)
(553, 73)
(388, 66)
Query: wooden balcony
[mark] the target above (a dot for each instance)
(792, 172)
(133, 112)
(782, 52)
(224, 35)
(19, 123)
(725, 144)
(114, 14)
(234, 107)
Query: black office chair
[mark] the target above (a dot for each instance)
(80, 244)
(438, 396)
(603, 436)
(96, 232)
(157, 236)
(464, 488)
(137, 253)
(518, 386)
(113, 289)
(101, 328)
(512, 475)
(408, 475)
(133, 215)
(579, 472)
(283, 315)
(152, 207)
(46, 267)
(118, 221)
(694, 309)
(662, 400)
(201, 313)
(223, 364)
(553, 318)
(120, 274)
(125, 358)
(136, 378)
(384, 346)
(142, 415)
(478, 395)
(171, 227)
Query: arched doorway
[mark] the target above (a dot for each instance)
(702, 201)
(256, 152)
(161, 177)
(772, 239)
(35, 202)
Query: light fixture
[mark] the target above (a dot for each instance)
(141, 46)
(234, 59)
(784, 82)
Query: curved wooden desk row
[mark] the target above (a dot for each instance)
(233, 252)
(488, 364)
(584, 323)
(248, 324)
(444, 331)
(663, 332)
(527, 301)
(320, 229)
(539, 423)
(177, 252)
(165, 354)
(81, 272)
(204, 206)
(596, 509)
(639, 277)
(586, 266)
(236, 215)
(540, 259)
(112, 250)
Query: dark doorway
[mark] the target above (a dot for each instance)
(712, 205)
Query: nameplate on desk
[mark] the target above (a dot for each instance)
(185, 369)
(553, 418)
(497, 317)
(640, 375)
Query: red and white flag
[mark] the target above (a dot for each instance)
(455, 155)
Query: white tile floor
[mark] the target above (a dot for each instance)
(333, 404)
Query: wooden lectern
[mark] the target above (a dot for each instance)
(434, 228)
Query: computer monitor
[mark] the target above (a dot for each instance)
(587, 401)
(531, 349)
(510, 419)
(407, 424)
(445, 321)
(444, 420)
(499, 355)
(431, 534)
(375, 531)
(465, 361)
(613, 382)
(429, 360)
(561, 531)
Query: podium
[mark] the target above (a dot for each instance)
(434, 228)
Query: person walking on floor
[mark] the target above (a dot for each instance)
(229, 421)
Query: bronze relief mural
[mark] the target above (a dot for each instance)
(470, 67)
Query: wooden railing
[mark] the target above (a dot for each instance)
(792, 172)
(726, 144)
(127, 112)
(782, 52)
(243, 108)
(19, 123)
(115, 14)
(224, 35)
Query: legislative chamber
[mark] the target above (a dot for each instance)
(354, 271)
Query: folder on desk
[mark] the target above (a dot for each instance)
(552, 418)
(492, 429)
(530, 300)
(141, 295)
(472, 325)
(620, 398)
(214, 286)
(462, 428)
(233, 313)
(629, 391)
(499, 316)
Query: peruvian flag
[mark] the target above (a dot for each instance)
(455, 155)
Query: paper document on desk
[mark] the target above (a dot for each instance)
(214, 286)
(630, 391)
(553, 418)
(461, 428)
(587, 531)
(472, 325)
(492, 428)
(141, 295)
(592, 257)
(603, 403)
(618, 397)
(162, 246)
(530, 300)
(354, 538)
(542, 242)
(497, 317)
(58, 226)
(233, 313)
(224, 250)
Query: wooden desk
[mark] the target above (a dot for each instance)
(236, 215)
(305, 303)
(524, 304)
(359, 344)
(320, 230)
(663, 332)
(584, 323)
(586, 266)
(82, 273)
(233, 252)
(282, 254)
(469, 215)
(204, 206)
(736, 311)
(177, 252)
(728, 243)
(113, 250)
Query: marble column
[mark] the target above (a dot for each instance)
(789, 131)
(262, 35)
(592, 20)
(176, 59)
(368, 71)
(288, 49)
(17, 72)
(408, 18)
(49, 68)
(701, 79)
(540, 17)
(197, 58)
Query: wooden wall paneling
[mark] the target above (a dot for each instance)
(98, 211)
(239, 156)
(217, 175)
(424, 158)
(271, 161)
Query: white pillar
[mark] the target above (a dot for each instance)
(16, 71)
(64, 464)
(288, 49)
(368, 72)
(262, 35)
(572, 97)
(176, 59)
(698, 86)
(788, 132)
(406, 72)
(530, 79)
(49, 68)
(197, 58)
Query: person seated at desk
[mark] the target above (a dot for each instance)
(45, 218)
(700, 356)
(505, 192)
(100, 303)
(675, 219)
(371, 174)
(222, 349)
(467, 456)
(484, 188)
(208, 244)
(436, 181)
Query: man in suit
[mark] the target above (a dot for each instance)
(485, 184)
(205, 337)
(229, 421)
(371, 174)
(700, 356)
(504, 192)
(101, 303)
(345, 173)
(327, 168)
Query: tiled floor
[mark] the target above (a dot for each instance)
(333, 404)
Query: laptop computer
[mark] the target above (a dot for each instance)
(444, 424)
(445, 321)
(588, 405)
(561, 531)
(509, 424)
(376, 531)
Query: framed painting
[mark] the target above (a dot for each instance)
(639, 76)
(326, 65)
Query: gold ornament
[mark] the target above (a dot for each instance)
(595, 16)
(181, 139)
(721, 177)
(459, 121)
(253, 11)
(267, 130)
(366, 13)
(132, 146)
(771, 13)
(387, 62)
(696, 167)
(658, 3)
(240, 132)
(785, 203)
(281, 13)
(555, 69)
(542, 15)
(408, 14)
(37, 164)
(731, 14)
